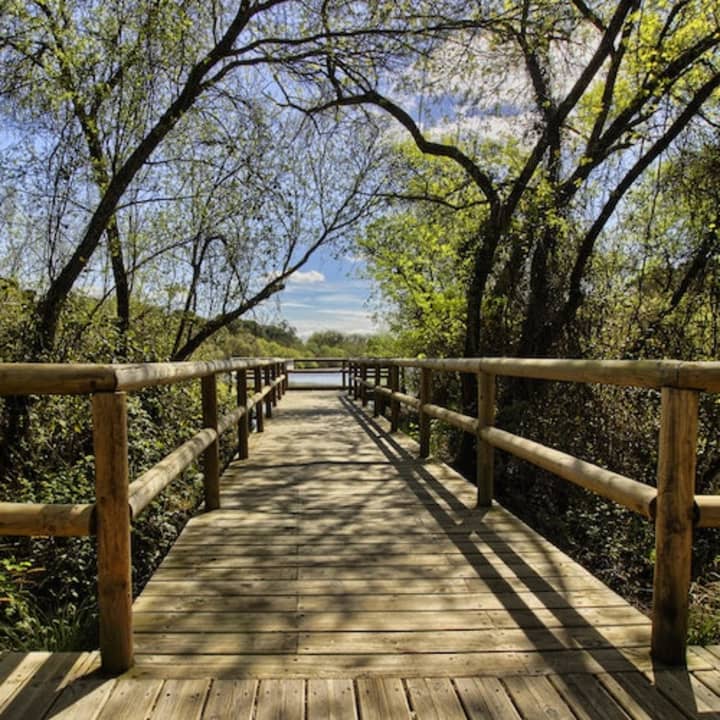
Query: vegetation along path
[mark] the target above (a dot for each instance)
(342, 577)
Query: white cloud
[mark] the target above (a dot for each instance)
(310, 277)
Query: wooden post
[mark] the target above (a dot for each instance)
(485, 453)
(274, 391)
(109, 411)
(363, 388)
(281, 388)
(257, 385)
(376, 393)
(677, 454)
(425, 399)
(286, 382)
(394, 376)
(243, 424)
(211, 456)
(355, 386)
(268, 398)
(343, 367)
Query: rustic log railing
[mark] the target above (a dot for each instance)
(318, 366)
(672, 505)
(117, 501)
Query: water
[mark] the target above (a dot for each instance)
(330, 379)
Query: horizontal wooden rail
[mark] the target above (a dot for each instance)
(55, 520)
(634, 495)
(458, 420)
(151, 483)
(673, 505)
(704, 376)
(708, 511)
(83, 379)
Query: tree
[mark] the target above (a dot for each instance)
(118, 79)
(601, 90)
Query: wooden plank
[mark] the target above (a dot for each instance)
(485, 698)
(213, 622)
(688, 692)
(400, 572)
(312, 587)
(411, 586)
(444, 620)
(281, 700)
(36, 692)
(131, 699)
(709, 678)
(148, 603)
(331, 699)
(600, 599)
(382, 698)
(287, 559)
(638, 698)
(472, 640)
(222, 573)
(231, 699)
(434, 699)
(586, 697)
(536, 698)
(219, 644)
(416, 664)
(182, 699)
(83, 699)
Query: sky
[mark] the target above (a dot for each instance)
(327, 294)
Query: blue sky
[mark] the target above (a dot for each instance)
(327, 294)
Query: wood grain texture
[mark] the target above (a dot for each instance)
(350, 557)
(677, 456)
(110, 441)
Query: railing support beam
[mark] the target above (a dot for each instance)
(258, 386)
(485, 452)
(394, 382)
(425, 399)
(673, 524)
(244, 423)
(110, 440)
(211, 456)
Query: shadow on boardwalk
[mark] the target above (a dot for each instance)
(345, 578)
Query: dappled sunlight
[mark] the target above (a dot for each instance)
(339, 559)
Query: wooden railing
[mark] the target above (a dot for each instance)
(672, 505)
(117, 501)
(314, 366)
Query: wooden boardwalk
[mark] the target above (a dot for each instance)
(344, 578)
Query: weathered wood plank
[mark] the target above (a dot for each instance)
(586, 697)
(382, 698)
(434, 699)
(482, 664)
(331, 699)
(638, 698)
(181, 699)
(486, 698)
(231, 699)
(131, 698)
(281, 700)
(536, 698)
(492, 640)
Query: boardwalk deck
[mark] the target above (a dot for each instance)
(344, 578)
